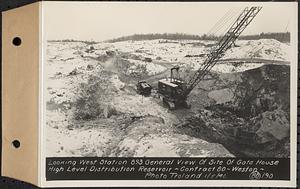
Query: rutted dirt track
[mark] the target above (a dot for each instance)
(93, 108)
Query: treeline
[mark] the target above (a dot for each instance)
(282, 37)
(169, 36)
(74, 40)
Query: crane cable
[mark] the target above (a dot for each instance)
(220, 25)
(222, 22)
(217, 24)
(233, 18)
(229, 20)
(235, 14)
(206, 65)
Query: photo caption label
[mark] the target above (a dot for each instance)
(93, 168)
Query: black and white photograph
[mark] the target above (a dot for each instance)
(167, 80)
(160, 94)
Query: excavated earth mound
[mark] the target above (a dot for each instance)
(253, 119)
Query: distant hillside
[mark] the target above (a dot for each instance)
(282, 37)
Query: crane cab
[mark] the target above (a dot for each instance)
(168, 88)
(171, 90)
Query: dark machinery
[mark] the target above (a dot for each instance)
(174, 91)
(143, 88)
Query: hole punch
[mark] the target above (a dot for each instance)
(17, 41)
(16, 143)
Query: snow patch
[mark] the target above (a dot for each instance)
(270, 49)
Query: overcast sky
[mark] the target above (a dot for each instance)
(101, 21)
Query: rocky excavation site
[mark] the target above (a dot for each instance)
(92, 107)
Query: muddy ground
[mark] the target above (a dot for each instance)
(249, 114)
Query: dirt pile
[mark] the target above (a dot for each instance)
(270, 49)
(254, 119)
(95, 96)
(151, 137)
(133, 67)
(254, 91)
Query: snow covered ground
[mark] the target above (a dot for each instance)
(192, 53)
(188, 52)
(79, 74)
(269, 49)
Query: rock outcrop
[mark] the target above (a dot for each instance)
(255, 121)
